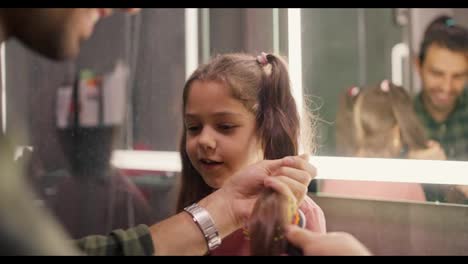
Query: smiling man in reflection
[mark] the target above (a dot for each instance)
(443, 103)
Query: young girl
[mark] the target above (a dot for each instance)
(380, 122)
(238, 109)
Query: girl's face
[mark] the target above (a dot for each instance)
(220, 132)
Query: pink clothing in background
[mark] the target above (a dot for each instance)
(374, 190)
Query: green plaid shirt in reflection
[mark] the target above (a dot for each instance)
(452, 134)
(135, 241)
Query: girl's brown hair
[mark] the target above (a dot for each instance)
(370, 116)
(263, 86)
(344, 134)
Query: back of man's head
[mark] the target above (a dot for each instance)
(444, 32)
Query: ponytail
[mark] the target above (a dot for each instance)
(277, 116)
(279, 127)
(411, 129)
(344, 133)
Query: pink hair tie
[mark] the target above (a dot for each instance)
(353, 91)
(385, 86)
(262, 59)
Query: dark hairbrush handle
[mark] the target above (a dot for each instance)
(292, 250)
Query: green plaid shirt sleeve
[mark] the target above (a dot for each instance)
(452, 133)
(135, 241)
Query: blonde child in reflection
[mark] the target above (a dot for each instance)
(380, 122)
(238, 109)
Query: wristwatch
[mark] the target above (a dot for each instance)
(204, 221)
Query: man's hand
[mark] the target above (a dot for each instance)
(433, 152)
(329, 244)
(243, 188)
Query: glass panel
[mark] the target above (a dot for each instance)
(342, 48)
(65, 126)
(69, 165)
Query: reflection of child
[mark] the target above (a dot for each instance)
(238, 109)
(380, 122)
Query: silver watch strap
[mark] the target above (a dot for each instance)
(204, 221)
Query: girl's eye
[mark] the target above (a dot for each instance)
(192, 128)
(226, 126)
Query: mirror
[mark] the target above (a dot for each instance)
(89, 197)
(338, 49)
(346, 55)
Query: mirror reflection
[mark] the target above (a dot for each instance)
(379, 83)
(383, 87)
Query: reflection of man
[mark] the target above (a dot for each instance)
(443, 103)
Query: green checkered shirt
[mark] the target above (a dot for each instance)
(452, 134)
(135, 241)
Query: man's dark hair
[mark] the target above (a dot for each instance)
(444, 32)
